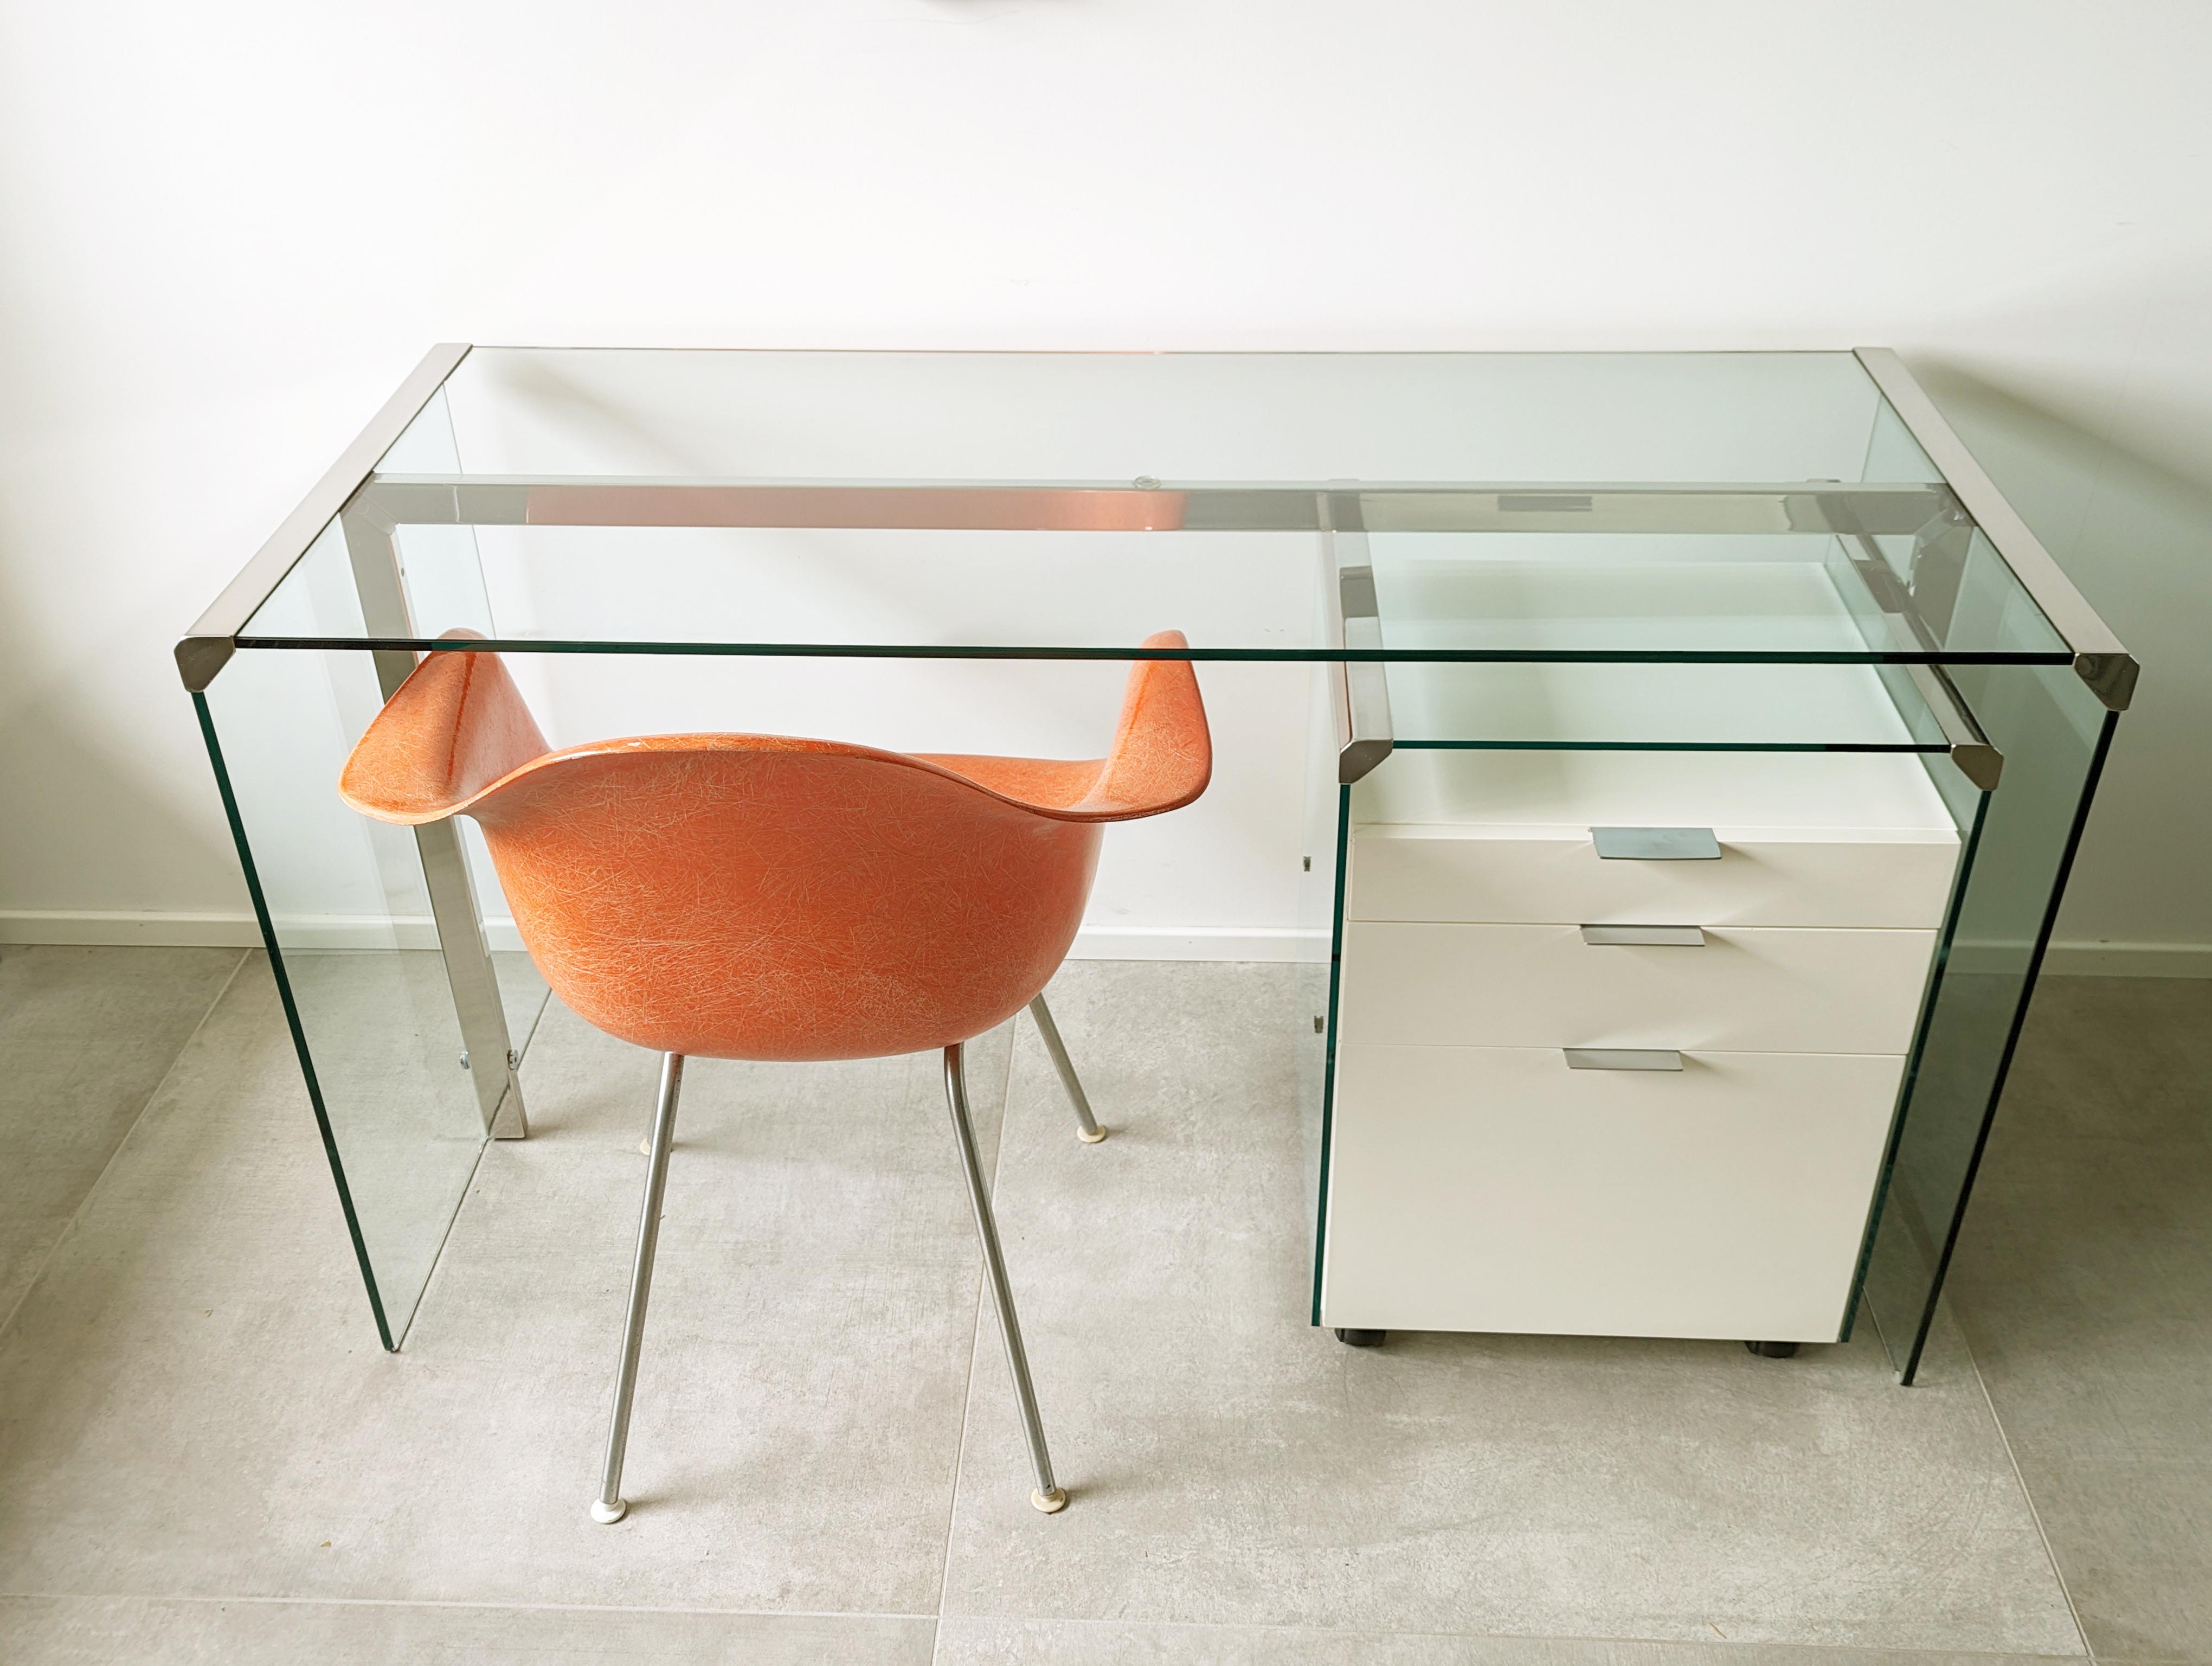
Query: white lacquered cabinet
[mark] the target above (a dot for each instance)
(1504, 1156)
(1493, 1188)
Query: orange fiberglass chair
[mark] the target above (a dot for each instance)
(756, 897)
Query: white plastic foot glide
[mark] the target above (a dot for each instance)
(645, 1146)
(1051, 1503)
(606, 1515)
(1091, 1136)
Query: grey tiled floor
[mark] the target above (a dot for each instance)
(86, 1034)
(204, 1456)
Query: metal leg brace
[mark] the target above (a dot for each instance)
(610, 1506)
(1087, 1129)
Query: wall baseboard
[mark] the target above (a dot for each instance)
(117, 928)
(2076, 957)
(2098, 959)
(110, 928)
(1200, 943)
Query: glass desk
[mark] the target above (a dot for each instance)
(1754, 569)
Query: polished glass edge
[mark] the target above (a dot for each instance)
(1328, 1049)
(2100, 661)
(491, 348)
(208, 644)
(1932, 748)
(1325, 655)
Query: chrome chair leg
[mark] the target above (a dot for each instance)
(609, 1507)
(1047, 1497)
(1086, 1128)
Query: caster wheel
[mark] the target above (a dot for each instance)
(1361, 1339)
(1773, 1350)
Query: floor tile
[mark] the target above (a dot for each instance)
(1228, 1463)
(389, 1063)
(83, 1631)
(194, 1403)
(2116, 1058)
(86, 1035)
(1111, 1643)
(2084, 1277)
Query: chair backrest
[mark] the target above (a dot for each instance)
(763, 897)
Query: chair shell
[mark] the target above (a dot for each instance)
(758, 897)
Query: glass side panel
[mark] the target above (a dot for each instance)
(2053, 733)
(357, 955)
(1172, 416)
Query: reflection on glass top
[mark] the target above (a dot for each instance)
(1173, 417)
(1713, 506)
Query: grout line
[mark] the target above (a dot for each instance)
(76, 1215)
(1286, 1628)
(1857, 1649)
(960, 1449)
(544, 1004)
(974, 1347)
(2019, 1477)
(521, 1052)
(456, 1603)
(445, 1237)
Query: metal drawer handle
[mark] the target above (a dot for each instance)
(1663, 937)
(1656, 844)
(1622, 1058)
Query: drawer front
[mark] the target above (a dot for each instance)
(1403, 874)
(1747, 990)
(1495, 1189)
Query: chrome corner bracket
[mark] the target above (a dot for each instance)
(200, 658)
(1359, 691)
(1972, 750)
(2111, 677)
(206, 648)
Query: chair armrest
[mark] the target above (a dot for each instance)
(456, 725)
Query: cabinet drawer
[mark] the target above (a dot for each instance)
(1494, 1189)
(1749, 989)
(1555, 876)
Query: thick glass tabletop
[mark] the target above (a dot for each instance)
(1719, 507)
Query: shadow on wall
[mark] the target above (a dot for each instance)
(2104, 475)
(97, 835)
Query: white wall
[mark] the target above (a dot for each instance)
(230, 228)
